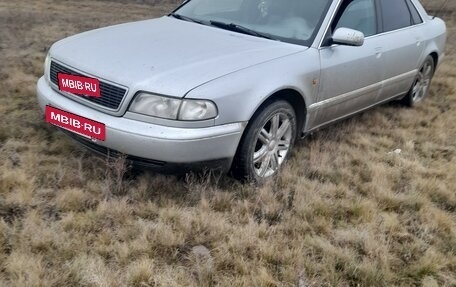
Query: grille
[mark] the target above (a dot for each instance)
(111, 96)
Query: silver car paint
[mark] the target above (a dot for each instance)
(164, 56)
(355, 78)
(239, 72)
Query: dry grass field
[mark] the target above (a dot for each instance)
(345, 212)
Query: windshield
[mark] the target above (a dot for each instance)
(294, 21)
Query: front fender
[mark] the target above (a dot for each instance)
(240, 94)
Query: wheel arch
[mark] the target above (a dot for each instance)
(290, 95)
(435, 57)
(294, 98)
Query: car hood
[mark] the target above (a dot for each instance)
(165, 55)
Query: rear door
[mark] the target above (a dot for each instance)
(402, 38)
(351, 76)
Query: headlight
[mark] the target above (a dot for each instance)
(195, 110)
(47, 66)
(156, 106)
(173, 108)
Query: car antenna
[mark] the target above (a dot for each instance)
(441, 9)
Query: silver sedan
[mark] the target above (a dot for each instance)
(232, 84)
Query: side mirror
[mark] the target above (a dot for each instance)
(348, 37)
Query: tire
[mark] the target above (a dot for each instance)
(266, 143)
(421, 84)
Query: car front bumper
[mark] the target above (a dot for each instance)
(168, 146)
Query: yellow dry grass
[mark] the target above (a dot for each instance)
(344, 212)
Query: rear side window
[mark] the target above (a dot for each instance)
(415, 15)
(396, 15)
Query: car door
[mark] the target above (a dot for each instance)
(351, 76)
(402, 38)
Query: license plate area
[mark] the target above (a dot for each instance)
(83, 126)
(79, 85)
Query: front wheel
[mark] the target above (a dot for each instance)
(421, 84)
(267, 142)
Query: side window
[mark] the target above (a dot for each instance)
(415, 15)
(396, 15)
(359, 15)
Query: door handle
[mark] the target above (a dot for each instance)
(379, 52)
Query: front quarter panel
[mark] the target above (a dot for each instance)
(240, 94)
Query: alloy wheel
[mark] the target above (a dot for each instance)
(272, 145)
(422, 82)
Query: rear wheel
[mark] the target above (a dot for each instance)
(421, 84)
(267, 142)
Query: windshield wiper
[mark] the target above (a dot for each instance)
(239, 28)
(185, 18)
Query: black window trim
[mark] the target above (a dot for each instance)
(378, 7)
